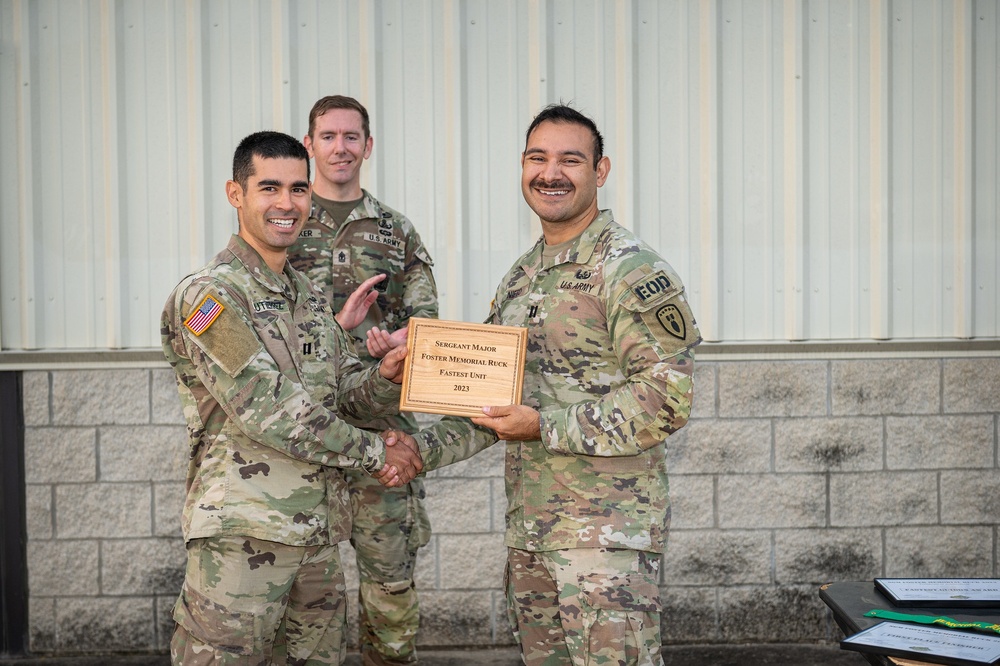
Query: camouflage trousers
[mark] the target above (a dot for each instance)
(390, 525)
(252, 602)
(585, 606)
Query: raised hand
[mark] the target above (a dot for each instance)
(357, 304)
(380, 342)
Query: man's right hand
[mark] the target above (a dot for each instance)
(402, 459)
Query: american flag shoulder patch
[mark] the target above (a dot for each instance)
(204, 315)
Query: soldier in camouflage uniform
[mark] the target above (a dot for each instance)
(263, 370)
(608, 377)
(351, 236)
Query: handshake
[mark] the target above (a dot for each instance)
(402, 459)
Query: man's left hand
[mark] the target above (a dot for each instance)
(513, 423)
(391, 366)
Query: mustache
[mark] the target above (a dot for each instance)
(551, 185)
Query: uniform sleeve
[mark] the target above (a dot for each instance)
(452, 440)
(362, 393)
(654, 334)
(419, 290)
(230, 360)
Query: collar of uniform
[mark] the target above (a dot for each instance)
(368, 208)
(579, 252)
(256, 266)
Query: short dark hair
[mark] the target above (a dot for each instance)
(339, 102)
(561, 113)
(265, 145)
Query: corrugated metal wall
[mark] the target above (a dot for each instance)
(814, 170)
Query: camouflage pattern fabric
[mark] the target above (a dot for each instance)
(585, 606)
(261, 391)
(252, 602)
(609, 368)
(390, 524)
(264, 371)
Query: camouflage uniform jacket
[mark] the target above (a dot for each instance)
(374, 239)
(609, 368)
(262, 389)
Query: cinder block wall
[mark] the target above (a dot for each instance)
(790, 474)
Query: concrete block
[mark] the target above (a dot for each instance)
(970, 497)
(502, 632)
(60, 455)
(784, 614)
(883, 499)
(349, 561)
(164, 399)
(459, 506)
(759, 389)
(933, 442)
(142, 567)
(426, 572)
(939, 552)
(703, 405)
(105, 624)
(96, 397)
(168, 503)
(472, 562)
(456, 618)
(772, 500)
(721, 447)
(907, 386)
(971, 385)
(38, 511)
(41, 624)
(689, 616)
(834, 444)
(713, 557)
(63, 568)
(144, 453)
(108, 510)
(35, 398)
(692, 501)
(488, 463)
(164, 621)
(824, 555)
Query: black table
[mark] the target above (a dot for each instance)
(850, 601)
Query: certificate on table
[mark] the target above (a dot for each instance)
(941, 592)
(930, 644)
(457, 368)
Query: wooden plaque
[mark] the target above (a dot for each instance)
(457, 368)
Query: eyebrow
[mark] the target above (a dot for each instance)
(270, 182)
(532, 151)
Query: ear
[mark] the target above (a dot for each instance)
(235, 194)
(368, 146)
(308, 143)
(603, 169)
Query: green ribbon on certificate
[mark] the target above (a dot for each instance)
(933, 619)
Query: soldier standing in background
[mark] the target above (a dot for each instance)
(350, 237)
(263, 372)
(608, 377)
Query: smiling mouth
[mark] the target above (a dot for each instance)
(282, 222)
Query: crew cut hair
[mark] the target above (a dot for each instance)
(562, 113)
(324, 104)
(266, 145)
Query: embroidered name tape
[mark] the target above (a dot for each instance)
(204, 315)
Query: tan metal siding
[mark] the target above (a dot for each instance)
(815, 170)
